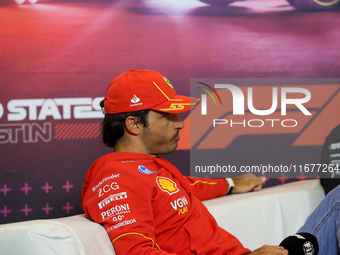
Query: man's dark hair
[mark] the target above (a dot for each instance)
(113, 125)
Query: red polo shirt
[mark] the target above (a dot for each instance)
(148, 207)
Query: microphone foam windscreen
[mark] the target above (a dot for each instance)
(301, 244)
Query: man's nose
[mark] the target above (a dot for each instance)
(178, 123)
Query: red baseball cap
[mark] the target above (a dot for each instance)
(138, 90)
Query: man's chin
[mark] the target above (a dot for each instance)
(176, 145)
(170, 150)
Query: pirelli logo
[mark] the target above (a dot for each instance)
(109, 199)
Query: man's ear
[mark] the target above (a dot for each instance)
(133, 125)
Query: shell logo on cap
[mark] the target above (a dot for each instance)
(168, 82)
(167, 185)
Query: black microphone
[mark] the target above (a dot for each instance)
(301, 244)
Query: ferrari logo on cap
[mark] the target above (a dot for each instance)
(167, 185)
(168, 82)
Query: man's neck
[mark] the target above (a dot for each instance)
(125, 146)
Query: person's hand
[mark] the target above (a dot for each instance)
(270, 250)
(247, 182)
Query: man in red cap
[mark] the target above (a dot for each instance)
(145, 204)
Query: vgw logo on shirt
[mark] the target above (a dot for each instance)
(180, 205)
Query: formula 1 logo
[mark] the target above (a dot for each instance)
(311, 111)
(167, 185)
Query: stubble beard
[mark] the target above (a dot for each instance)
(158, 144)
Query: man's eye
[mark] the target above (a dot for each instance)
(167, 115)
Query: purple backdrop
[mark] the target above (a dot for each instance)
(58, 57)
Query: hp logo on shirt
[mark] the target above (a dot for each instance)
(144, 170)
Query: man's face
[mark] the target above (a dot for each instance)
(161, 136)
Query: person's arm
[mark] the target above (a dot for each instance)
(123, 206)
(247, 182)
(269, 250)
(206, 188)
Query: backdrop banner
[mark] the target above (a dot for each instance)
(57, 58)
